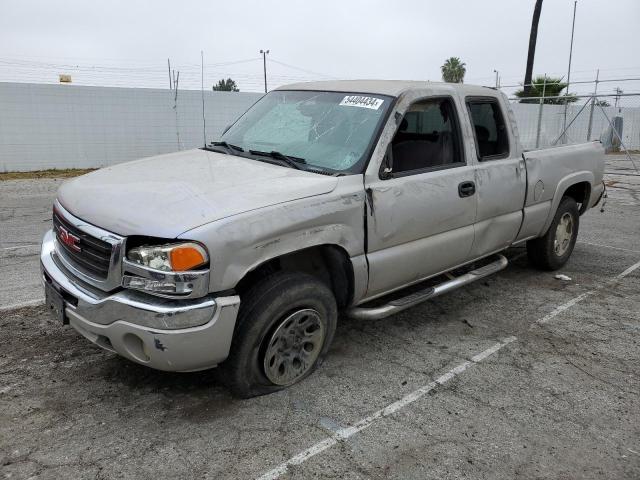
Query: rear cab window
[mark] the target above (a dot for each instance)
(489, 128)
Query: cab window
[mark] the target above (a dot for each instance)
(428, 137)
(492, 141)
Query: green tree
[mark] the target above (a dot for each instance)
(552, 87)
(453, 70)
(227, 85)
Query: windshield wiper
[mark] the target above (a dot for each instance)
(228, 146)
(293, 162)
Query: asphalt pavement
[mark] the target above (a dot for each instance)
(521, 375)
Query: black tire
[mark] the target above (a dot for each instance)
(543, 252)
(263, 310)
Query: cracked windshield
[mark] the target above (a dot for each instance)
(323, 130)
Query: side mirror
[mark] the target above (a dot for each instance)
(386, 167)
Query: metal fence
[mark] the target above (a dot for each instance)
(593, 110)
(613, 119)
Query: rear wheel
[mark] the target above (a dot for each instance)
(285, 326)
(553, 249)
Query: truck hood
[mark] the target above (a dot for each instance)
(167, 195)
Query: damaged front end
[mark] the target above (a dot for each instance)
(160, 318)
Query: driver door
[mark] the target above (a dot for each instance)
(421, 216)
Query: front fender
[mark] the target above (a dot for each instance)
(239, 244)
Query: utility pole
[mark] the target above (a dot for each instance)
(176, 81)
(593, 105)
(573, 27)
(169, 65)
(204, 120)
(618, 93)
(264, 65)
(544, 91)
(497, 78)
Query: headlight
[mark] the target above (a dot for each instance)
(176, 257)
(167, 270)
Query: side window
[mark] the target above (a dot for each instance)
(492, 141)
(428, 137)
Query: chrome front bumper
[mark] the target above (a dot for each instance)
(165, 334)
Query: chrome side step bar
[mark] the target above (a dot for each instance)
(400, 304)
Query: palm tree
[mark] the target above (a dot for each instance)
(533, 37)
(551, 88)
(453, 70)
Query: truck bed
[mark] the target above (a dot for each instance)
(550, 171)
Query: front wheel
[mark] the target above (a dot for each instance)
(553, 249)
(284, 329)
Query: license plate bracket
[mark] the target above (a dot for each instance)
(55, 303)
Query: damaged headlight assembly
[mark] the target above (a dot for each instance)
(168, 270)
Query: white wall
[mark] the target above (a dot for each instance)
(64, 126)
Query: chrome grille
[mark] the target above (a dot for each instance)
(90, 253)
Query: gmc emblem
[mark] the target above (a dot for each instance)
(69, 239)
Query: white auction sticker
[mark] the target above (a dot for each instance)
(363, 102)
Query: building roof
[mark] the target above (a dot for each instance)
(386, 87)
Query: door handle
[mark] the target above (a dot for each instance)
(466, 189)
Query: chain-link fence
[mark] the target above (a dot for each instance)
(612, 119)
(547, 116)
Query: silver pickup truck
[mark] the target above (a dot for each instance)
(366, 197)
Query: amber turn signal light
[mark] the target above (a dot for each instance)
(187, 257)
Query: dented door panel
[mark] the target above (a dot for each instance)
(419, 227)
(501, 188)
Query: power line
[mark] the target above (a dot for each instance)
(301, 69)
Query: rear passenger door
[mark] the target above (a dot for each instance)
(500, 177)
(421, 213)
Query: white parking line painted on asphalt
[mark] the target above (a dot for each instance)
(565, 306)
(347, 432)
(19, 251)
(16, 306)
(18, 247)
(609, 246)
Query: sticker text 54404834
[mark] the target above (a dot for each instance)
(361, 101)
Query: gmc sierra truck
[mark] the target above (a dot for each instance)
(362, 197)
